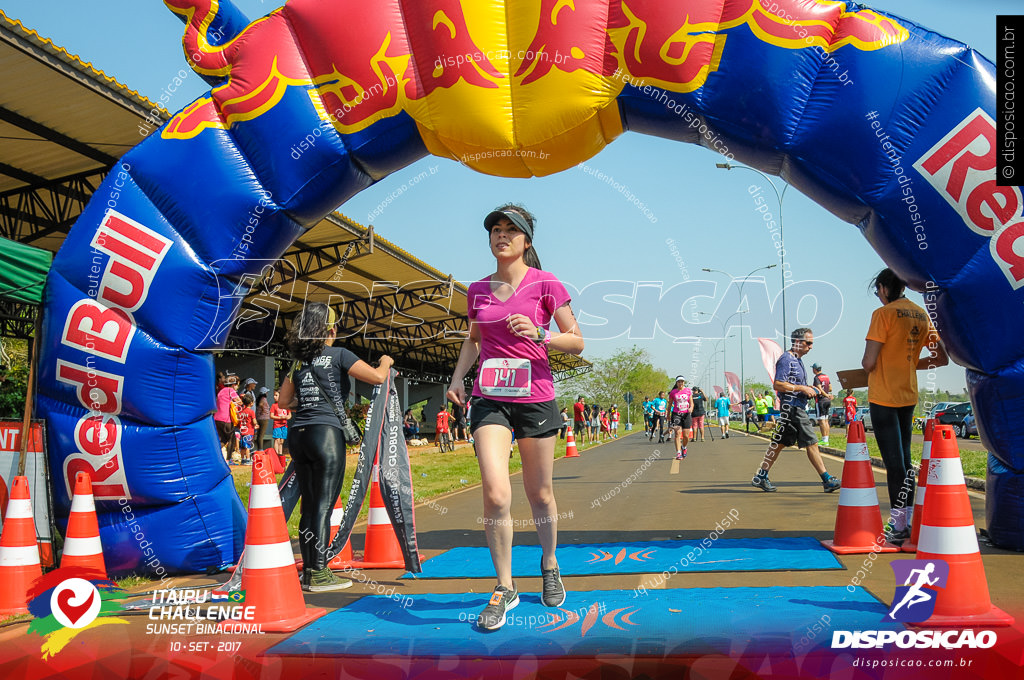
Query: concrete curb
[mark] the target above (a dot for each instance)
(971, 482)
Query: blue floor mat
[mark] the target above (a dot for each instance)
(645, 557)
(664, 622)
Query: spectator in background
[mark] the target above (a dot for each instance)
(459, 418)
(700, 403)
(849, 407)
(613, 418)
(579, 419)
(444, 419)
(262, 410)
(898, 332)
(823, 402)
(564, 415)
(595, 421)
(222, 416)
(281, 416)
(246, 427)
(410, 426)
(249, 387)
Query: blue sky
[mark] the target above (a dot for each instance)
(698, 216)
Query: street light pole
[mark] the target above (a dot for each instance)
(782, 233)
(743, 376)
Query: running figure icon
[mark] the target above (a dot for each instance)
(916, 594)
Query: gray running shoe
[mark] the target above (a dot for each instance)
(897, 537)
(324, 580)
(831, 484)
(554, 591)
(492, 617)
(762, 483)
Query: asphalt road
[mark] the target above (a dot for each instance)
(626, 490)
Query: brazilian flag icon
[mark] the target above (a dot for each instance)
(237, 596)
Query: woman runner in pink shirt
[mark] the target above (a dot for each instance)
(509, 313)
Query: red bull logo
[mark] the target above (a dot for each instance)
(360, 64)
(961, 168)
(676, 50)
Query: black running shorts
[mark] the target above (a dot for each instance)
(683, 420)
(526, 420)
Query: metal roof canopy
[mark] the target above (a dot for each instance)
(64, 124)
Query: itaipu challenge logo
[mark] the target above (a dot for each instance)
(68, 601)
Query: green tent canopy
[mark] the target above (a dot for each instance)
(23, 271)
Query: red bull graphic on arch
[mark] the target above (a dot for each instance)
(144, 287)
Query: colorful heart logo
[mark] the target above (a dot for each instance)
(75, 603)
(74, 613)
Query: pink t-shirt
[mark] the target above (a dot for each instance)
(223, 401)
(681, 400)
(538, 296)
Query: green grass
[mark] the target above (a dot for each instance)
(131, 581)
(433, 474)
(974, 462)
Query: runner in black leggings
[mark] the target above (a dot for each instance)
(315, 439)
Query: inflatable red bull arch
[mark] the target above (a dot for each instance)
(883, 122)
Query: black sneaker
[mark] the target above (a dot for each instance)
(492, 617)
(324, 580)
(553, 594)
(897, 537)
(831, 484)
(762, 483)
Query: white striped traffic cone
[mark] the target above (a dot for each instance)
(570, 445)
(269, 579)
(948, 534)
(19, 552)
(922, 485)
(858, 517)
(82, 547)
(381, 548)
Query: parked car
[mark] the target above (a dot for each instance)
(837, 416)
(955, 416)
(864, 415)
(940, 407)
(971, 426)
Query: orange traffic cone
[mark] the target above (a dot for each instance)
(82, 547)
(858, 517)
(19, 552)
(922, 483)
(381, 549)
(570, 445)
(948, 534)
(269, 579)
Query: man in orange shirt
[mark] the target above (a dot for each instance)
(892, 356)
